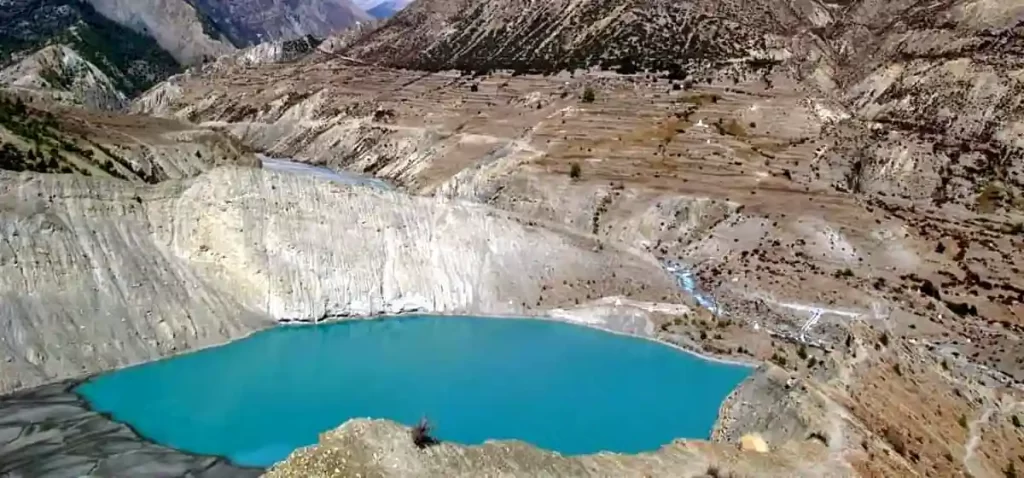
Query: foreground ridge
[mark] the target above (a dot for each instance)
(381, 448)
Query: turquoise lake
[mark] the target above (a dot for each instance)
(567, 388)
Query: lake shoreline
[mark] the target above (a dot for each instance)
(546, 318)
(621, 367)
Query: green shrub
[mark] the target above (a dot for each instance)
(588, 95)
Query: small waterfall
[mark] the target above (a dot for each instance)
(687, 281)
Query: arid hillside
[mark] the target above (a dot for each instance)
(800, 218)
(837, 187)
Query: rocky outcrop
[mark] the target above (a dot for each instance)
(97, 274)
(276, 51)
(384, 449)
(50, 431)
(62, 74)
(129, 60)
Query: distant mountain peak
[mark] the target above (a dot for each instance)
(250, 22)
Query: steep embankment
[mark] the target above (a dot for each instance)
(99, 273)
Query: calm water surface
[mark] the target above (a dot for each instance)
(562, 387)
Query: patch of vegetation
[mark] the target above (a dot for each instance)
(300, 46)
(989, 198)
(35, 128)
(55, 78)
(895, 440)
(575, 171)
(731, 128)
(588, 95)
(47, 146)
(132, 60)
(843, 273)
(420, 434)
(962, 420)
(26, 122)
(699, 99)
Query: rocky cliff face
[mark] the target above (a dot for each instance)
(131, 273)
(179, 28)
(98, 53)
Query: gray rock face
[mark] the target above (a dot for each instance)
(50, 432)
(177, 26)
(97, 274)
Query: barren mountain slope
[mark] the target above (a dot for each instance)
(800, 210)
(177, 26)
(41, 137)
(60, 72)
(67, 48)
(676, 36)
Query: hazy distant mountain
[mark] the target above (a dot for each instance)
(382, 9)
(250, 22)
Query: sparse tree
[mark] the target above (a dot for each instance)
(588, 95)
(421, 434)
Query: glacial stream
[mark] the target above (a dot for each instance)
(558, 386)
